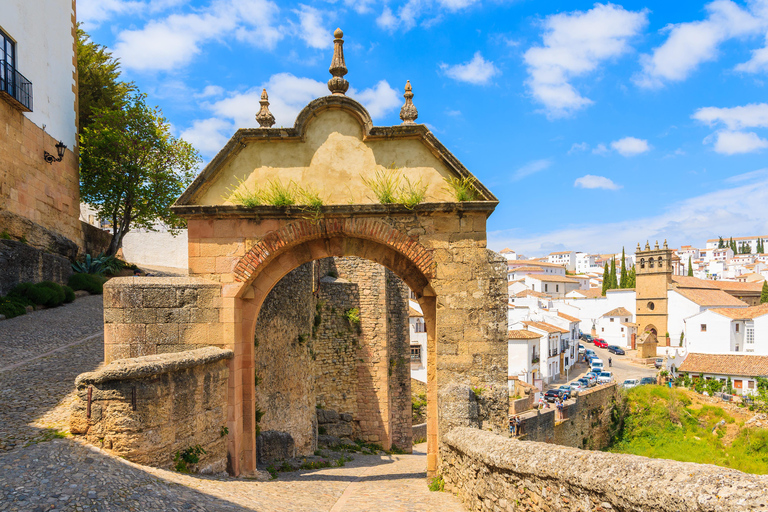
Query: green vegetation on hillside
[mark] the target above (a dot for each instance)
(666, 423)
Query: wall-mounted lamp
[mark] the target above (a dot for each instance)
(60, 147)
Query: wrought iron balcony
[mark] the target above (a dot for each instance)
(15, 87)
(534, 359)
(553, 352)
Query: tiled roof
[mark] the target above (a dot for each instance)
(693, 282)
(726, 240)
(592, 293)
(560, 252)
(735, 286)
(620, 311)
(726, 364)
(568, 317)
(530, 293)
(552, 279)
(545, 327)
(709, 298)
(528, 268)
(743, 313)
(414, 313)
(523, 335)
(536, 263)
(629, 324)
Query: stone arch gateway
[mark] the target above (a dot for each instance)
(239, 250)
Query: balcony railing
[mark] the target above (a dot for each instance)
(553, 352)
(534, 359)
(15, 87)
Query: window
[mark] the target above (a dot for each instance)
(622, 329)
(750, 335)
(611, 319)
(737, 383)
(626, 320)
(703, 327)
(557, 287)
(751, 384)
(642, 262)
(651, 306)
(602, 329)
(415, 353)
(7, 49)
(661, 262)
(737, 327)
(419, 325)
(546, 287)
(650, 262)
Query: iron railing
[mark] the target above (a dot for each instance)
(15, 86)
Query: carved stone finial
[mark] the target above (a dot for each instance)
(408, 113)
(265, 117)
(665, 244)
(638, 247)
(647, 246)
(337, 85)
(657, 245)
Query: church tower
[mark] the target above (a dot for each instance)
(653, 270)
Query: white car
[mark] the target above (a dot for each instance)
(630, 383)
(597, 365)
(605, 377)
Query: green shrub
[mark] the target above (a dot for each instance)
(59, 295)
(47, 293)
(88, 282)
(90, 265)
(69, 294)
(12, 306)
(437, 484)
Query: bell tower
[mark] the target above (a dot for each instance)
(653, 271)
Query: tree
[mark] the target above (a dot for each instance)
(764, 293)
(631, 279)
(98, 84)
(614, 282)
(624, 275)
(606, 278)
(721, 243)
(690, 267)
(132, 168)
(759, 249)
(732, 245)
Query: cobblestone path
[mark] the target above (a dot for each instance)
(40, 471)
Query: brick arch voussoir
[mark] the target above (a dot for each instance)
(298, 232)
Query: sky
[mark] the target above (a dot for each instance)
(597, 125)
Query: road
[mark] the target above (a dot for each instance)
(621, 368)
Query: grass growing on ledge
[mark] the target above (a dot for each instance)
(463, 188)
(670, 424)
(275, 193)
(391, 187)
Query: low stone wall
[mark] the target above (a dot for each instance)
(149, 408)
(492, 473)
(96, 240)
(419, 432)
(521, 405)
(158, 315)
(22, 263)
(37, 236)
(586, 422)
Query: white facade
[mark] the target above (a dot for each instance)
(585, 263)
(589, 311)
(523, 359)
(418, 336)
(156, 248)
(42, 32)
(557, 287)
(711, 332)
(565, 258)
(751, 241)
(617, 329)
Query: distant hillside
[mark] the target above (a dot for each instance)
(676, 424)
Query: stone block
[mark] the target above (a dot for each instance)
(272, 445)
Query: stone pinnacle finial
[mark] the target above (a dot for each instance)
(337, 85)
(638, 247)
(265, 117)
(665, 244)
(647, 246)
(408, 113)
(657, 245)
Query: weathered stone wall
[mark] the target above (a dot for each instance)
(96, 240)
(46, 194)
(148, 408)
(285, 373)
(587, 420)
(21, 263)
(399, 341)
(158, 315)
(492, 473)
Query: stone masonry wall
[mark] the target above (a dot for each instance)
(284, 348)
(492, 473)
(46, 194)
(22, 263)
(148, 408)
(587, 420)
(158, 315)
(399, 361)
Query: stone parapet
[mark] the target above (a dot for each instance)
(22, 263)
(157, 315)
(148, 408)
(489, 473)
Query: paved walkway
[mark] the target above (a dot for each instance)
(39, 471)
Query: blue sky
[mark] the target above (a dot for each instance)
(596, 125)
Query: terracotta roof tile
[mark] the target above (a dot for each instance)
(693, 282)
(414, 313)
(743, 313)
(592, 293)
(620, 311)
(726, 364)
(523, 335)
(568, 317)
(552, 279)
(545, 327)
(709, 298)
(735, 286)
(530, 293)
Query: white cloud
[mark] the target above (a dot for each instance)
(630, 146)
(575, 44)
(758, 62)
(174, 41)
(477, 71)
(736, 143)
(600, 149)
(744, 208)
(92, 13)
(311, 28)
(404, 20)
(288, 94)
(578, 147)
(692, 43)
(531, 168)
(210, 90)
(455, 5)
(592, 181)
(753, 115)
(409, 14)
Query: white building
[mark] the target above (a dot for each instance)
(524, 356)
(728, 331)
(751, 241)
(552, 358)
(586, 263)
(546, 268)
(417, 331)
(554, 286)
(616, 327)
(566, 259)
(741, 369)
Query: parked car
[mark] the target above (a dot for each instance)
(613, 349)
(584, 382)
(586, 337)
(646, 380)
(591, 379)
(582, 350)
(630, 383)
(566, 389)
(589, 352)
(596, 365)
(550, 395)
(577, 386)
(600, 343)
(658, 362)
(605, 377)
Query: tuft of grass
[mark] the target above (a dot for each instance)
(246, 196)
(463, 188)
(385, 185)
(275, 193)
(411, 193)
(278, 194)
(437, 484)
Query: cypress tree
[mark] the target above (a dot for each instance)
(764, 293)
(624, 275)
(690, 267)
(614, 281)
(721, 243)
(606, 278)
(732, 245)
(631, 278)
